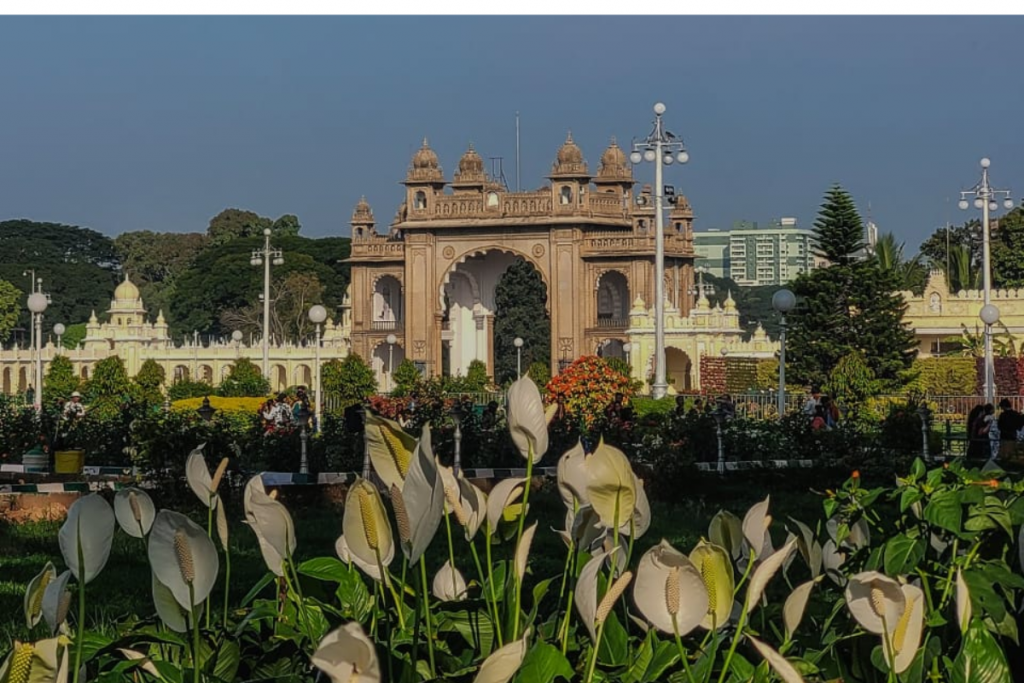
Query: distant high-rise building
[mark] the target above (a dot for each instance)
(753, 255)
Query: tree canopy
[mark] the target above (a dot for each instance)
(839, 232)
(520, 299)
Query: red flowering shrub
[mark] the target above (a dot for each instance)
(586, 387)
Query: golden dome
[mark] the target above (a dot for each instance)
(471, 162)
(425, 157)
(126, 291)
(613, 156)
(570, 153)
(362, 210)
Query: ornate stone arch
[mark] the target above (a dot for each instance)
(454, 262)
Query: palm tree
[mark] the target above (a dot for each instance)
(962, 273)
(970, 345)
(908, 274)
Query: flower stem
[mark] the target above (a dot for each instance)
(682, 650)
(735, 640)
(80, 638)
(593, 655)
(227, 583)
(492, 607)
(448, 527)
(426, 613)
(490, 584)
(519, 537)
(195, 633)
(209, 534)
(385, 580)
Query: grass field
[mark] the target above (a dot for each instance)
(123, 588)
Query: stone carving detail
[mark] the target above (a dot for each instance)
(418, 347)
(565, 346)
(449, 252)
(538, 250)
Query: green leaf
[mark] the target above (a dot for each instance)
(909, 497)
(741, 666)
(981, 660)
(325, 569)
(665, 655)
(267, 579)
(228, 658)
(944, 510)
(641, 659)
(984, 599)
(169, 672)
(544, 662)
(614, 644)
(902, 554)
(918, 469)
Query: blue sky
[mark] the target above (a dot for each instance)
(159, 123)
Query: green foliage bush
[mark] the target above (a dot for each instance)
(406, 378)
(347, 381)
(60, 381)
(244, 379)
(189, 388)
(944, 376)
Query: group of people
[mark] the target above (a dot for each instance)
(282, 414)
(724, 405)
(822, 411)
(990, 436)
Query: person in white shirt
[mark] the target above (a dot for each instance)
(811, 406)
(74, 409)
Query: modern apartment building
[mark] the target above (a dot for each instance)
(753, 255)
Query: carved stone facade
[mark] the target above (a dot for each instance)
(591, 239)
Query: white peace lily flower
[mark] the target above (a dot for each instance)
(346, 655)
(572, 477)
(504, 494)
(755, 529)
(875, 601)
(503, 663)
(641, 519)
(669, 591)
(582, 529)
(391, 450)
(134, 511)
(367, 530)
(465, 501)
(34, 594)
(56, 602)
(45, 661)
(611, 485)
(197, 474)
(523, 551)
(963, 602)
(168, 609)
(796, 604)
(586, 591)
(809, 548)
(423, 498)
(764, 573)
(449, 584)
(272, 524)
(715, 569)
(527, 423)
(341, 548)
(905, 636)
(182, 556)
(88, 531)
(786, 671)
(145, 663)
(859, 535)
(832, 560)
(726, 531)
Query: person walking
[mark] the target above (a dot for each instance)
(1010, 423)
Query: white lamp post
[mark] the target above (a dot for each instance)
(391, 339)
(783, 301)
(58, 330)
(317, 315)
(31, 275)
(989, 315)
(37, 303)
(658, 147)
(986, 198)
(236, 337)
(263, 257)
(518, 343)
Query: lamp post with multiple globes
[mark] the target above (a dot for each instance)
(37, 303)
(662, 148)
(264, 257)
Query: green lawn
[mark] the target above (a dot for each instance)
(123, 588)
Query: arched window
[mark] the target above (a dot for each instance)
(565, 196)
(359, 232)
(420, 200)
(641, 225)
(679, 226)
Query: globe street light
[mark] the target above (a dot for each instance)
(317, 315)
(31, 275)
(783, 301)
(263, 257)
(37, 302)
(658, 147)
(989, 315)
(236, 337)
(986, 198)
(391, 339)
(58, 330)
(518, 343)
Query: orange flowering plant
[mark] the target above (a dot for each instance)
(586, 387)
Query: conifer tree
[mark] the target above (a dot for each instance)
(849, 307)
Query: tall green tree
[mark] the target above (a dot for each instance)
(154, 259)
(60, 380)
(150, 377)
(230, 224)
(938, 248)
(244, 379)
(909, 274)
(849, 307)
(406, 378)
(109, 388)
(963, 272)
(1008, 251)
(10, 305)
(520, 299)
(348, 381)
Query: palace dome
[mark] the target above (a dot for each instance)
(471, 162)
(570, 152)
(127, 291)
(425, 157)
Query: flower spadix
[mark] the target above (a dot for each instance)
(669, 591)
(367, 530)
(87, 535)
(134, 511)
(421, 500)
(611, 485)
(34, 594)
(715, 568)
(43, 662)
(503, 663)
(449, 584)
(183, 558)
(347, 655)
(199, 479)
(272, 524)
(875, 601)
(904, 637)
(56, 602)
(572, 477)
(391, 449)
(527, 423)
